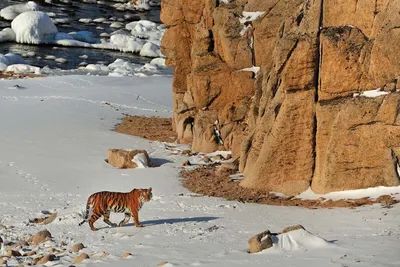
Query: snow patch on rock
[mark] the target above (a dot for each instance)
(33, 27)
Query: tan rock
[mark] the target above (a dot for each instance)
(294, 123)
(12, 253)
(104, 255)
(45, 220)
(77, 247)
(162, 263)
(285, 161)
(260, 242)
(344, 158)
(81, 257)
(46, 258)
(126, 255)
(40, 237)
(122, 159)
(30, 253)
(292, 228)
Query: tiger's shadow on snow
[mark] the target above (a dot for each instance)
(173, 221)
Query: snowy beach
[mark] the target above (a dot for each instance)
(55, 134)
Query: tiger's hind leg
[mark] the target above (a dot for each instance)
(92, 220)
(106, 219)
(125, 220)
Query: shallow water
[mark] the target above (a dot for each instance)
(73, 12)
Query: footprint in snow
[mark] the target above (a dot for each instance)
(16, 87)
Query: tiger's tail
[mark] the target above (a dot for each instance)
(88, 204)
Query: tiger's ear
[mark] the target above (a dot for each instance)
(150, 189)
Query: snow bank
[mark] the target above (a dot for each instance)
(371, 93)
(298, 240)
(123, 43)
(11, 12)
(373, 192)
(23, 68)
(141, 161)
(120, 68)
(33, 27)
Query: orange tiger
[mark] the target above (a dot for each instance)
(102, 203)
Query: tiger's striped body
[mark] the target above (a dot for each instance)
(102, 203)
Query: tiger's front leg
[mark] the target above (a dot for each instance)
(107, 219)
(125, 220)
(135, 215)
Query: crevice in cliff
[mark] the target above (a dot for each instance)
(211, 43)
(289, 55)
(317, 84)
(396, 164)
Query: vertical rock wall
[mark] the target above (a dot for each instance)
(294, 123)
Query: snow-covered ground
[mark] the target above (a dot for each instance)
(54, 137)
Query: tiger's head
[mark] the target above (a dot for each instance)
(145, 195)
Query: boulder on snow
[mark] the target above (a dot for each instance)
(291, 238)
(126, 255)
(126, 159)
(40, 237)
(77, 247)
(45, 220)
(12, 253)
(46, 258)
(81, 257)
(260, 242)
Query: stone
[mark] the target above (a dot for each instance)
(30, 253)
(12, 253)
(162, 263)
(81, 257)
(292, 228)
(46, 258)
(77, 247)
(260, 242)
(126, 255)
(186, 163)
(227, 168)
(122, 159)
(40, 237)
(104, 255)
(45, 220)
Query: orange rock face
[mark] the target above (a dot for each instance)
(294, 124)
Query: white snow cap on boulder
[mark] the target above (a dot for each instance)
(11, 12)
(33, 27)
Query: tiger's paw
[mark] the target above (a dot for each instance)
(114, 225)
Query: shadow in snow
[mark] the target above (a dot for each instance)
(157, 162)
(175, 220)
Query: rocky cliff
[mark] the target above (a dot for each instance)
(286, 85)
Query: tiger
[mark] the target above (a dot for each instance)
(102, 203)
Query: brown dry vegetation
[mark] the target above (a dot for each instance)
(206, 180)
(10, 75)
(152, 128)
